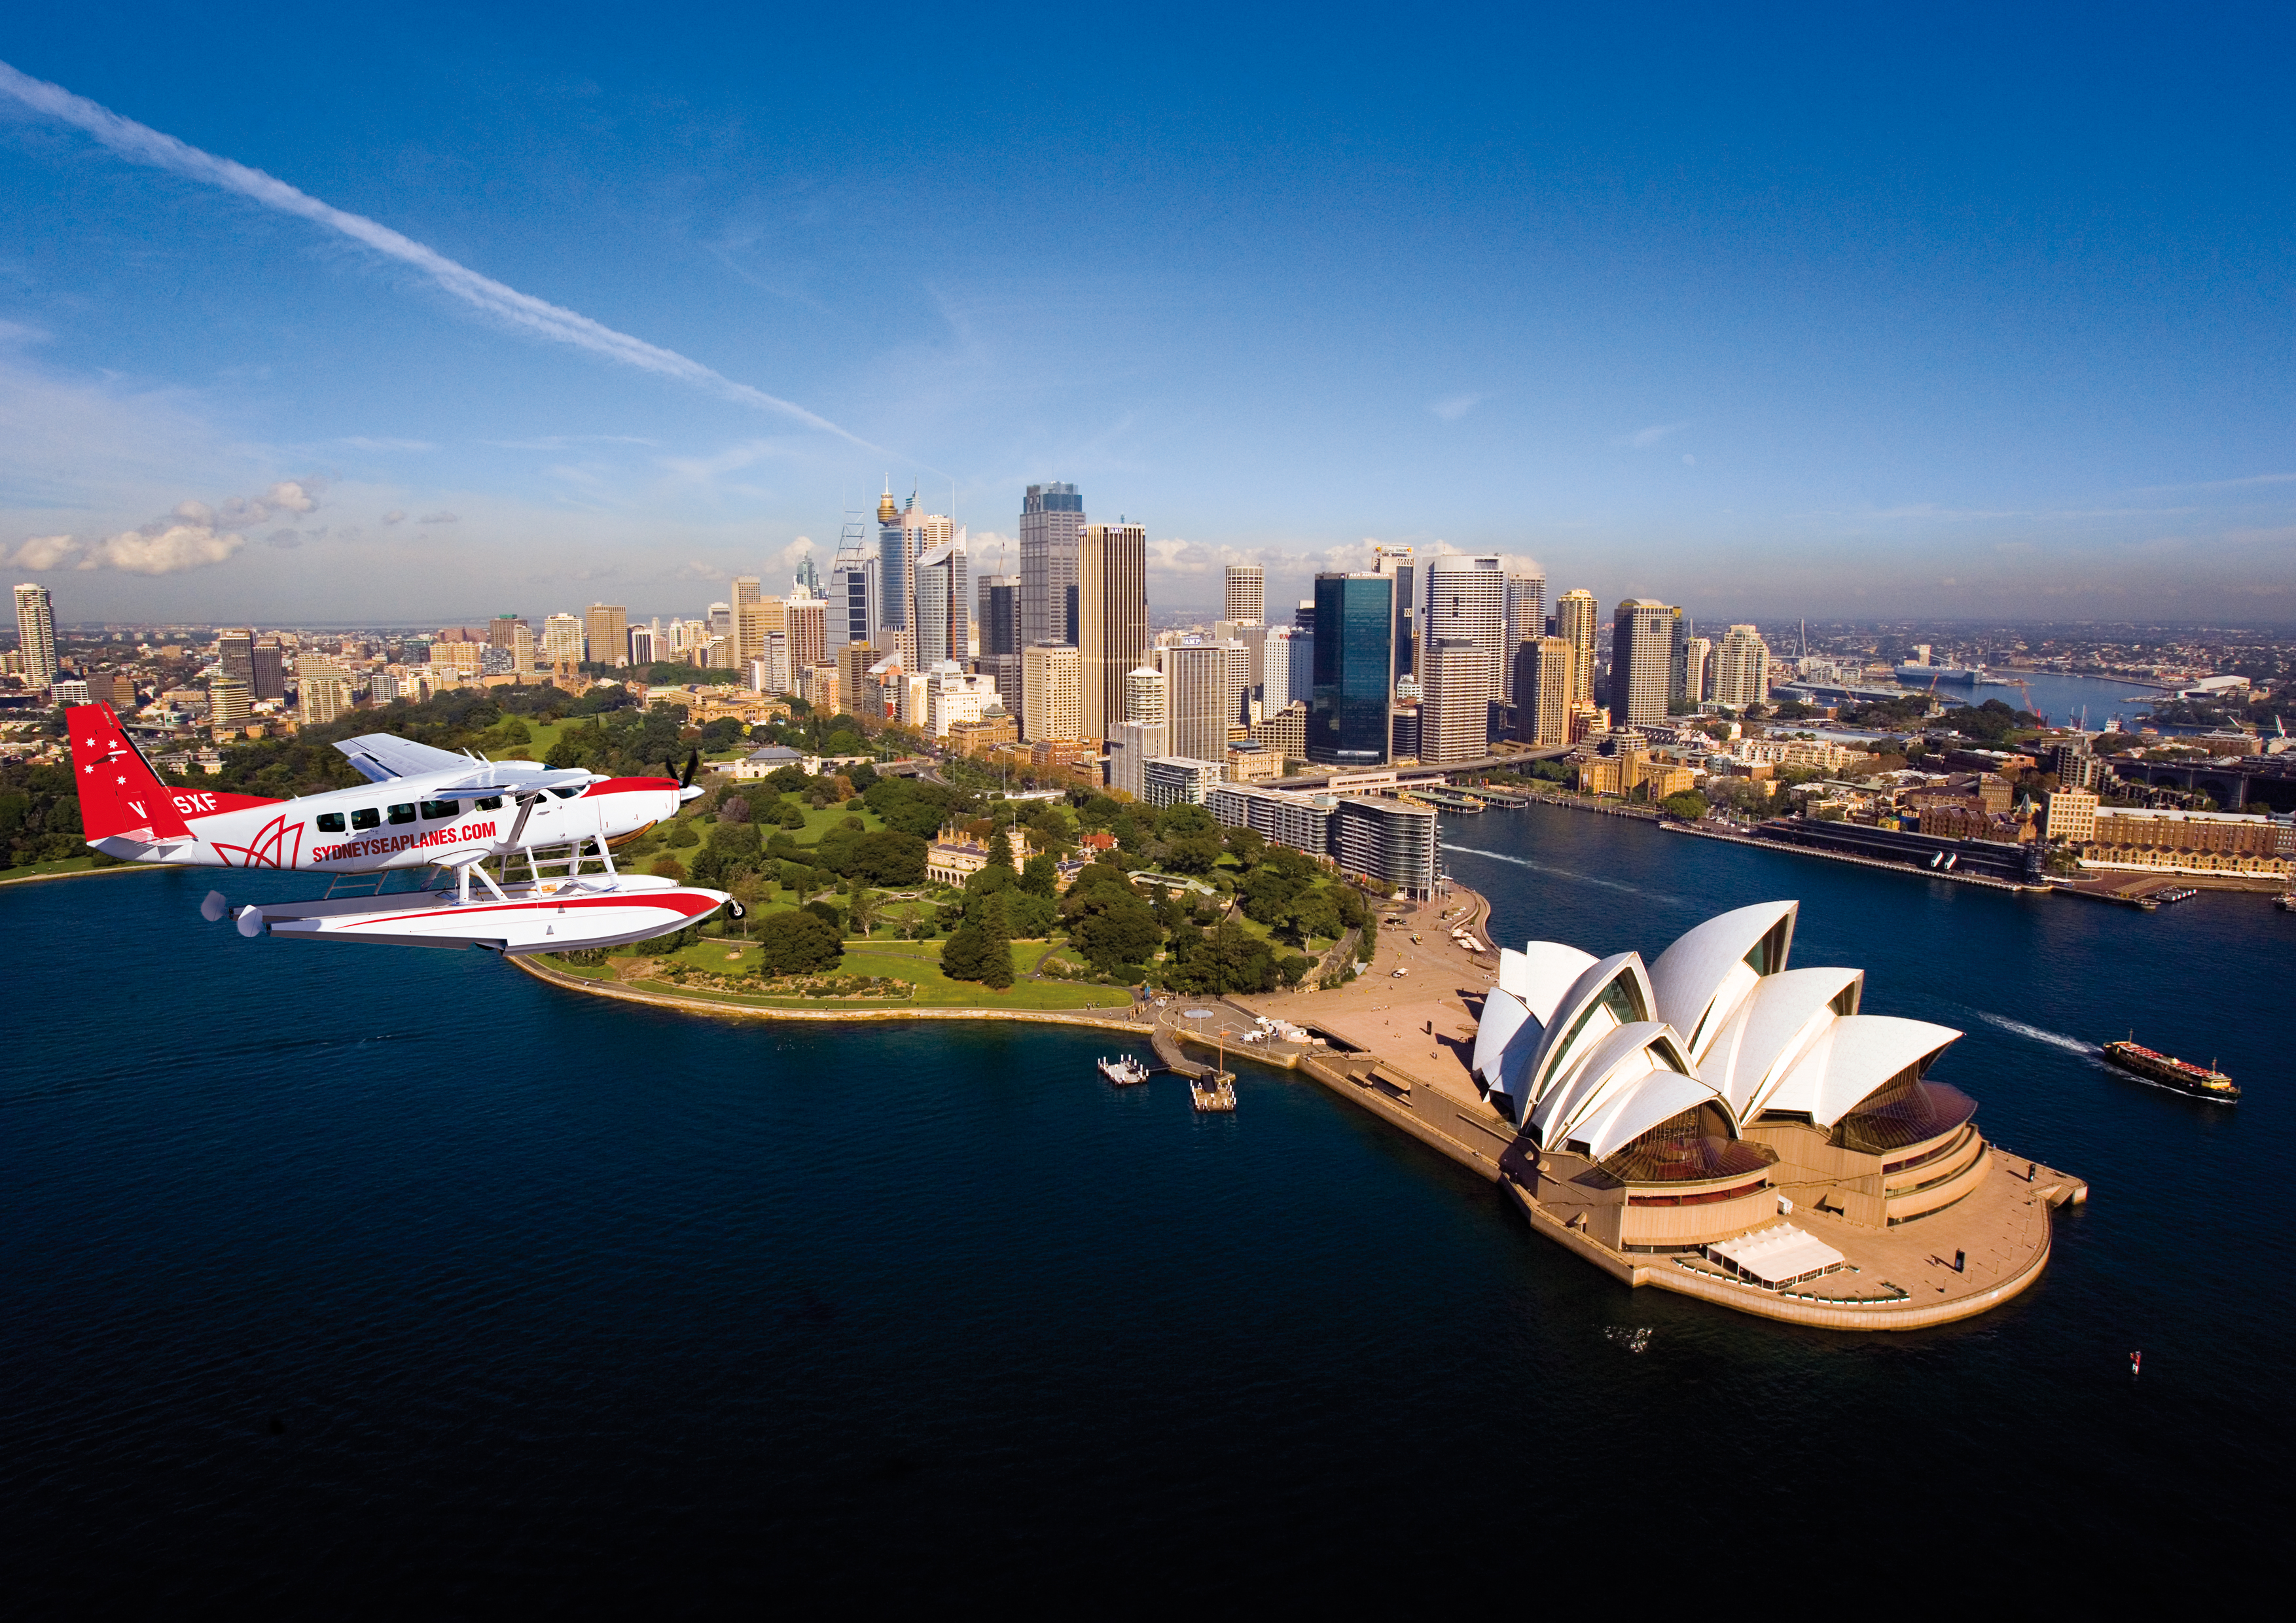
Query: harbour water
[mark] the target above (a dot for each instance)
(343, 1280)
(2062, 699)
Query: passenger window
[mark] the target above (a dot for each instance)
(366, 816)
(403, 814)
(434, 810)
(331, 823)
(491, 803)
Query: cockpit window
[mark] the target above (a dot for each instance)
(569, 793)
(490, 803)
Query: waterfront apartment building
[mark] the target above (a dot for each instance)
(1111, 618)
(606, 630)
(1303, 821)
(1353, 687)
(1742, 669)
(1052, 522)
(1641, 660)
(1388, 842)
(2191, 842)
(1051, 692)
(1246, 594)
(1196, 692)
(1576, 616)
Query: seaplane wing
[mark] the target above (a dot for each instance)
(378, 757)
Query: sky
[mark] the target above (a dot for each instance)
(368, 314)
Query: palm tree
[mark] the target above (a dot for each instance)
(863, 910)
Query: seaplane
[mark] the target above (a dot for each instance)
(425, 815)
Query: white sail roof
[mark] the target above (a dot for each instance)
(1754, 1048)
(1702, 978)
(1855, 1055)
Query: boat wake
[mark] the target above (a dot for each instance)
(1584, 878)
(2055, 1039)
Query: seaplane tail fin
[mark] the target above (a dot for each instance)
(120, 794)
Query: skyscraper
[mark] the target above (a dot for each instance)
(562, 640)
(1000, 615)
(1275, 670)
(1112, 624)
(749, 626)
(235, 654)
(1146, 695)
(1526, 622)
(1575, 622)
(1454, 706)
(1051, 522)
(1678, 665)
(1052, 700)
(1544, 672)
(1466, 596)
(1247, 594)
(1697, 670)
(36, 634)
(1354, 669)
(1396, 563)
(853, 596)
(940, 600)
(1641, 660)
(1742, 669)
(808, 620)
(1197, 691)
(606, 629)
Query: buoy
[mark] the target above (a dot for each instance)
(2135, 1362)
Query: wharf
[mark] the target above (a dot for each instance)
(1914, 869)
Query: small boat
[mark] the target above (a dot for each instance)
(1123, 1071)
(2286, 902)
(2200, 1081)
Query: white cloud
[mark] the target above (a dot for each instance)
(397, 515)
(43, 552)
(439, 518)
(361, 442)
(1643, 439)
(166, 548)
(1453, 407)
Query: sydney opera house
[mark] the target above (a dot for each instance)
(1722, 1111)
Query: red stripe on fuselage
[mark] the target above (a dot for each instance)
(615, 786)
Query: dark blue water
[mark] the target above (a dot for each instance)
(338, 1279)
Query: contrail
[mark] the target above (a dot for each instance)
(138, 143)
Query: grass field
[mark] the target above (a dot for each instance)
(545, 733)
(916, 962)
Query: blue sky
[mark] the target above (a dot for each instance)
(1766, 311)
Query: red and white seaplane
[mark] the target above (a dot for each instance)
(421, 807)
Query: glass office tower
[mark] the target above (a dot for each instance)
(1354, 660)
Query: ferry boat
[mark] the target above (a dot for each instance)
(1123, 1071)
(2183, 1076)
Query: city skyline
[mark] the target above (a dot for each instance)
(1695, 321)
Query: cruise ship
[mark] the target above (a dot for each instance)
(1958, 674)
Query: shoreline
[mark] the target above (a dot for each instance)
(1455, 1121)
(122, 867)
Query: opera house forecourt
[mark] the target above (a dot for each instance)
(1720, 1124)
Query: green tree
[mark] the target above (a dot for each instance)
(863, 913)
(798, 943)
